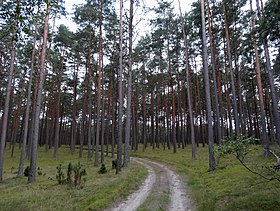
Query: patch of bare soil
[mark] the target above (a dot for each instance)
(137, 198)
(162, 190)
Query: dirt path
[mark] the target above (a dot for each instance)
(162, 190)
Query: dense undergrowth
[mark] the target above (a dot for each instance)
(230, 187)
(98, 191)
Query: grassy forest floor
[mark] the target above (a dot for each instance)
(98, 192)
(230, 187)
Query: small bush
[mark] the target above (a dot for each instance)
(60, 175)
(78, 173)
(26, 171)
(69, 174)
(39, 171)
(114, 164)
(102, 169)
(74, 175)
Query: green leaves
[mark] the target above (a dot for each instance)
(238, 146)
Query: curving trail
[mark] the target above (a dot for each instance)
(162, 189)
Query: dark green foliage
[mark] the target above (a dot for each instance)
(238, 146)
(60, 175)
(74, 175)
(114, 164)
(69, 174)
(39, 171)
(102, 169)
(78, 173)
(26, 171)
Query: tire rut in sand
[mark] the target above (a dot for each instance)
(163, 189)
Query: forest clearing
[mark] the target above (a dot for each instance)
(139, 105)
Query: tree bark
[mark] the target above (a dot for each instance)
(28, 101)
(190, 108)
(212, 164)
(129, 90)
(33, 159)
(259, 86)
(120, 93)
(232, 83)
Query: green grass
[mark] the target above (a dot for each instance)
(230, 187)
(98, 192)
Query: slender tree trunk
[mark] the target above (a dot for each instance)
(102, 124)
(28, 101)
(129, 90)
(190, 108)
(57, 112)
(15, 124)
(232, 83)
(99, 81)
(120, 92)
(213, 60)
(6, 106)
(273, 94)
(259, 86)
(74, 112)
(212, 164)
(33, 159)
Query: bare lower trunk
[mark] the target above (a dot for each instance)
(120, 92)
(129, 89)
(212, 164)
(6, 110)
(33, 159)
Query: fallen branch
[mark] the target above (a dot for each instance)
(254, 172)
(277, 166)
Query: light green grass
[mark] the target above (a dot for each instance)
(99, 190)
(231, 187)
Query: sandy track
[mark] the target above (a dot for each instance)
(138, 197)
(179, 200)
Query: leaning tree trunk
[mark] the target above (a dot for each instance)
(33, 159)
(212, 164)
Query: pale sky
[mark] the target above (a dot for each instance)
(185, 5)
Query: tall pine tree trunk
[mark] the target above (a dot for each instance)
(212, 164)
(129, 90)
(33, 159)
(232, 81)
(28, 101)
(259, 86)
(190, 107)
(6, 106)
(120, 93)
